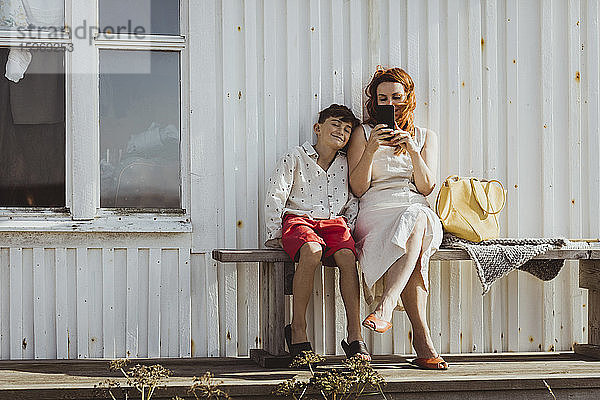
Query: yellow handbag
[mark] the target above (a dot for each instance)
(468, 207)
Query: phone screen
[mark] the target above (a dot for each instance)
(384, 114)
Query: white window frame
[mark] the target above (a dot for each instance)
(82, 180)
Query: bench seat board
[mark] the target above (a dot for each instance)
(276, 255)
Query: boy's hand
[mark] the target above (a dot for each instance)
(274, 243)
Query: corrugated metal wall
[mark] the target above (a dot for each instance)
(84, 299)
(510, 86)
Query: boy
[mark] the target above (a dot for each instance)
(309, 210)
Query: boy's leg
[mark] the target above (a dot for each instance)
(310, 258)
(349, 286)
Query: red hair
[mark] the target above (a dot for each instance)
(406, 121)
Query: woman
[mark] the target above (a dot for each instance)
(396, 232)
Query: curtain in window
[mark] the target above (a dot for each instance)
(30, 14)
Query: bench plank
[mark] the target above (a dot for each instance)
(277, 255)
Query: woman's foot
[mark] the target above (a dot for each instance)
(423, 345)
(437, 363)
(376, 324)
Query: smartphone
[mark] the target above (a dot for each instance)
(384, 114)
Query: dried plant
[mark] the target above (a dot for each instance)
(144, 379)
(206, 387)
(357, 379)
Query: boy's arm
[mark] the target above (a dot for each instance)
(278, 191)
(350, 210)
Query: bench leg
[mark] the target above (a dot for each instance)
(272, 317)
(589, 278)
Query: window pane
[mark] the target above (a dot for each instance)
(158, 17)
(32, 128)
(139, 129)
(40, 15)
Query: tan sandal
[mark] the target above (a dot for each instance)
(437, 363)
(376, 324)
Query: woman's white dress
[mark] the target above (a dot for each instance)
(387, 215)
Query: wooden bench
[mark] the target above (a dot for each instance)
(277, 274)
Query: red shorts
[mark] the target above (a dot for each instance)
(332, 234)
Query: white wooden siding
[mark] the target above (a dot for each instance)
(64, 302)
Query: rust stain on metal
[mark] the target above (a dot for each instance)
(516, 186)
(577, 76)
(463, 84)
(482, 43)
(312, 28)
(531, 339)
(572, 201)
(514, 61)
(240, 95)
(240, 224)
(239, 28)
(193, 347)
(545, 126)
(551, 348)
(410, 336)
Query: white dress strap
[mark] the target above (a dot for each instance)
(367, 129)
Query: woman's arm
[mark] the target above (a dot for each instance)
(425, 163)
(360, 156)
(359, 163)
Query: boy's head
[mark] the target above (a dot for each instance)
(335, 125)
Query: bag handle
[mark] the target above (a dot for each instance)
(486, 208)
(437, 200)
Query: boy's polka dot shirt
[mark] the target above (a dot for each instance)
(300, 186)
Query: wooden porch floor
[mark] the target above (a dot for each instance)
(488, 376)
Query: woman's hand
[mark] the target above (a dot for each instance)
(405, 141)
(380, 135)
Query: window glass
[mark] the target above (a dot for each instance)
(32, 128)
(40, 15)
(139, 129)
(158, 17)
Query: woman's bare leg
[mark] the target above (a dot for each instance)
(398, 275)
(414, 299)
